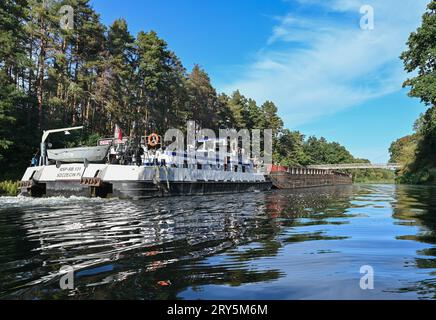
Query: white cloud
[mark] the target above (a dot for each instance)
(318, 64)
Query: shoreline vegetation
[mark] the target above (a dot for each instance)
(99, 76)
(417, 152)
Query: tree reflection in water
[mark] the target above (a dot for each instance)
(416, 206)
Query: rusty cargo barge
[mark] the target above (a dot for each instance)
(295, 178)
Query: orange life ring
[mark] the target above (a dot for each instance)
(153, 140)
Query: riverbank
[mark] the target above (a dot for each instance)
(425, 176)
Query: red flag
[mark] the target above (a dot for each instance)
(118, 133)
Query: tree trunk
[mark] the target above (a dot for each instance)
(40, 81)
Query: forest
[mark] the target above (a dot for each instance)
(99, 76)
(417, 152)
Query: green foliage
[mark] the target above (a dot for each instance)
(9, 188)
(7, 93)
(404, 149)
(238, 107)
(421, 56)
(270, 118)
(419, 176)
(12, 59)
(373, 176)
(426, 151)
(418, 152)
(160, 85)
(202, 99)
(92, 140)
(320, 151)
(289, 149)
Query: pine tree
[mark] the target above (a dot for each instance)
(203, 100)
(238, 106)
(161, 79)
(119, 72)
(224, 113)
(289, 150)
(17, 133)
(12, 63)
(43, 22)
(272, 120)
(77, 65)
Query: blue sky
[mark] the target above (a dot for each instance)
(327, 76)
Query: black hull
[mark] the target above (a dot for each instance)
(147, 189)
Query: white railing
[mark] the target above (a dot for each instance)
(345, 166)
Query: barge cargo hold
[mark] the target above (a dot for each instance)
(295, 178)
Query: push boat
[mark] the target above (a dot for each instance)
(138, 168)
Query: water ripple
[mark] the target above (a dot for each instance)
(195, 247)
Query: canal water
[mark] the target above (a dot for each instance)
(306, 244)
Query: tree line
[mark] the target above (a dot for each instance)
(418, 151)
(98, 76)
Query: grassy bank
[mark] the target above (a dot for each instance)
(8, 188)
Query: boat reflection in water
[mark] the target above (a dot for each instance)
(274, 245)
